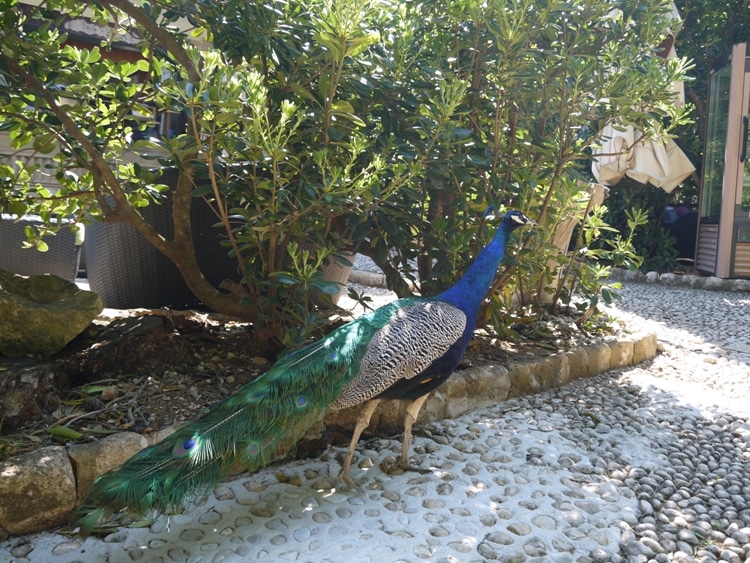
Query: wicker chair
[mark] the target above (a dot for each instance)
(128, 272)
(61, 259)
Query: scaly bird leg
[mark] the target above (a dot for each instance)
(412, 411)
(362, 422)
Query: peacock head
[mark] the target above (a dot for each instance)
(515, 219)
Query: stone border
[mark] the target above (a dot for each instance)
(693, 281)
(38, 490)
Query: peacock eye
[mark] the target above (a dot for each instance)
(253, 449)
(301, 401)
(185, 447)
(257, 395)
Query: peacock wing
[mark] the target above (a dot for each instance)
(417, 334)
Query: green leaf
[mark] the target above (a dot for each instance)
(92, 389)
(64, 433)
(201, 191)
(510, 261)
(285, 278)
(359, 44)
(332, 43)
(345, 110)
(327, 287)
(18, 208)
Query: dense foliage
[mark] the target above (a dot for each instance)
(382, 127)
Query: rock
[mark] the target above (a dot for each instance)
(37, 490)
(486, 384)
(740, 285)
(621, 353)
(578, 361)
(644, 347)
(96, 458)
(523, 379)
(456, 390)
(41, 314)
(717, 284)
(552, 371)
(599, 358)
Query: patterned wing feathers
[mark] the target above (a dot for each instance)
(416, 335)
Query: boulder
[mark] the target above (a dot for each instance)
(41, 314)
(93, 459)
(38, 490)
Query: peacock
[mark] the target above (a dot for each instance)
(402, 350)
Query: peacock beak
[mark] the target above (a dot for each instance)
(522, 219)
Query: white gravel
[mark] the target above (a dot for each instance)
(650, 463)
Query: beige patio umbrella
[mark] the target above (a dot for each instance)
(624, 151)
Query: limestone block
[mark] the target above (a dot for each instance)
(578, 359)
(523, 379)
(455, 391)
(96, 458)
(37, 490)
(346, 417)
(644, 348)
(41, 314)
(669, 279)
(620, 353)
(716, 284)
(434, 407)
(631, 275)
(486, 384)
(741, 285)
(563, 368)
(388, 416)
(599, 358)
(552, 371)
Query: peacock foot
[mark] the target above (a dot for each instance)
(399, 467)
(345, 478)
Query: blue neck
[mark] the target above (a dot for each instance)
(468, 293)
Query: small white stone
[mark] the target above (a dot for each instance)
(66, 547)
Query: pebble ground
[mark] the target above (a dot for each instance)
(645, 464)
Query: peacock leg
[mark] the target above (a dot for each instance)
(363, 422)
(412, 411)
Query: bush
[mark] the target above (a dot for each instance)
(382, 127)
(653, 241)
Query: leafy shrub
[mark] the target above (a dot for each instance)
(653, 241)
(382, 127)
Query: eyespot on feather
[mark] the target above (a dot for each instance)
(252, 449)
(257, 395)
(301, 402)
(185, 448)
